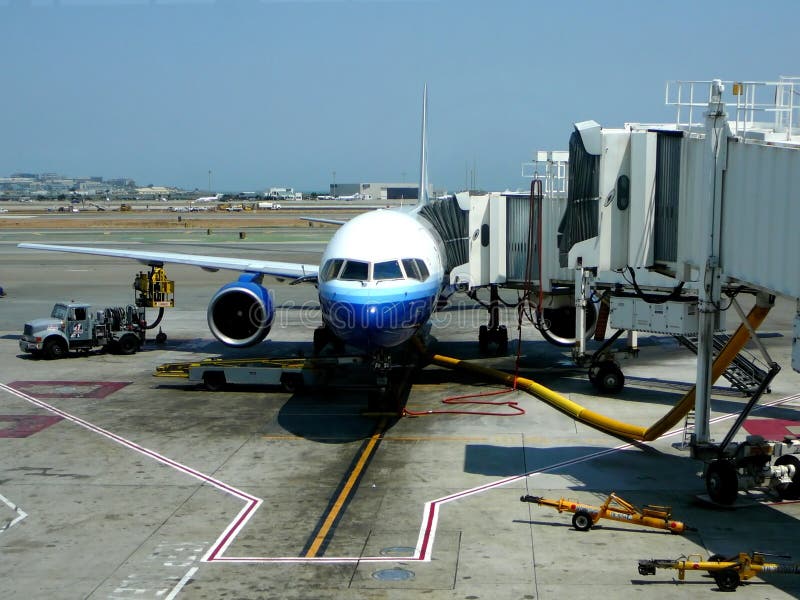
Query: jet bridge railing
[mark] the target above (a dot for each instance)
(753, 100)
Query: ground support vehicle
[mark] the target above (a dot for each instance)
(72, 326)
(291, 374)
(616, 509)
(728, 572)
(753, 463)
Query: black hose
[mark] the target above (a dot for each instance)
(158, 319)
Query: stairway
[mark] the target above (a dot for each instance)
(743, 373)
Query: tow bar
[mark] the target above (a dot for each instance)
(616, 509)
(727, 572)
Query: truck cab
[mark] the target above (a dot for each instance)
(73, 326)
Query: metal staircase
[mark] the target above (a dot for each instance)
(688, 430)
(744, 373)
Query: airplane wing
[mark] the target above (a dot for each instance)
(321, 220)
(279, 270)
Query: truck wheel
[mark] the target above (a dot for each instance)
(291, 382)
(214, 381)
(722, 482)
(582, 520)
(128, 344)
(55, 348)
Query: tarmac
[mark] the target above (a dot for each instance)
(118, 484)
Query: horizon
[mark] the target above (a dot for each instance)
(303, 94)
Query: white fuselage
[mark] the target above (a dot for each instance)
(380, 278)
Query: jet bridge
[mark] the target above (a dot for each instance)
(658, 227)
(709, 202)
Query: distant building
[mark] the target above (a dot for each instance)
(281, 193)
(376, 191)
(156, 190)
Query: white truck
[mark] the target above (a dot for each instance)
(73, 326)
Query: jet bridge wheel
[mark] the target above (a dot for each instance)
(607, 377)
(722, 482)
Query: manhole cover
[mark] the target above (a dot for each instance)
(393, 575)
(401, 551)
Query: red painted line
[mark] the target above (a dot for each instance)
(48, 389)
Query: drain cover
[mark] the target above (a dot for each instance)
(393, 574)
(402, 551)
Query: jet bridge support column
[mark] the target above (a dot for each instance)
(584, 281)
(707, 254)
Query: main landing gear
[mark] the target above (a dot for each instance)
(493, 333)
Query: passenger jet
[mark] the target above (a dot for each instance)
(379, 281)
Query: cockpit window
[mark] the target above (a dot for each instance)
(355, 270)
(412, 271)
(423, 269)
(331, 269)
(389, 269)
(415, 268)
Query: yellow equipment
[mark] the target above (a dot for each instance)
(154, 289)
(616, 509)
(727, 572)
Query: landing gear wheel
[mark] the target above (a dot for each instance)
(483, 339)
(582, 520)
(502, 342)
(722, 482)
(607, 378)
(214, 381)
(790, 491)
(54, 349)
(727, 579)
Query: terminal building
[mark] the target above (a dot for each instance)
(376, 191)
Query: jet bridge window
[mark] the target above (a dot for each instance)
(331, 269)
(389, 269)
(355, 270)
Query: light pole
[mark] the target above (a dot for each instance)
(209, 181)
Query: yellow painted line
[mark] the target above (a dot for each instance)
(348, 486)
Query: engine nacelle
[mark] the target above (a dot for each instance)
(240, 314)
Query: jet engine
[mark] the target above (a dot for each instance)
(240, 314)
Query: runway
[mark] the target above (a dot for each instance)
(117, 484)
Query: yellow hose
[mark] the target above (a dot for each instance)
(594, 419)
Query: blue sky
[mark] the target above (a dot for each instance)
(284, 93)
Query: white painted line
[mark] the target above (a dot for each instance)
(430, 516)
(184, 580)
(21, 514)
